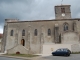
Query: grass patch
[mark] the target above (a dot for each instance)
(22, 55)
(75, 53)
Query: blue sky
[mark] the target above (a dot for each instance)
(26, 10)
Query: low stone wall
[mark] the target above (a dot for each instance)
(75, 47)
(49, 48)
(18, 48)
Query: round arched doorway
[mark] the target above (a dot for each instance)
(23, 42)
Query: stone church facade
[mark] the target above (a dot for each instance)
(34, 37)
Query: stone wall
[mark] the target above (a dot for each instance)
(70, 38)
(75, 47)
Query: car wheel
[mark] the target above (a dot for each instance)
(65, 55)
(68, 55)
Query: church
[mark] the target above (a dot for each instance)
(42, 36)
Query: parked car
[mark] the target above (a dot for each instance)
(62, 52)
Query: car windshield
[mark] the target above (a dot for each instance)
(62, 50)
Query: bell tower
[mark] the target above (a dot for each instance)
(62, 12)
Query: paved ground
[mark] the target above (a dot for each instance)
(6, 58)
(72, 57)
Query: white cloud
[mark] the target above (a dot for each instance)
(34, 9)
(1, 30)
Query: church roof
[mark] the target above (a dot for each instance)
(61, 5)
(44, 20)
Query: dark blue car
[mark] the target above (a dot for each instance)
(61, 52)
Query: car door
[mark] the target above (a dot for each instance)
(58, 52)
(62, 52)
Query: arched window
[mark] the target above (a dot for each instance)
(11, 33)
(23, 42)
(35, 32)
(62, 10)
(49, 32)
(23, 33)
(65, 26)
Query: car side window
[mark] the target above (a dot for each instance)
(58, 50)
(65, 50)
(62, 50)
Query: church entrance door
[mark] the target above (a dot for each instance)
(23, 42)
